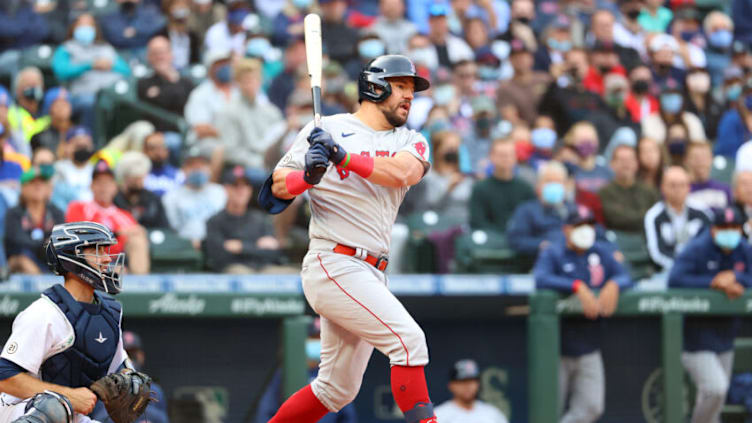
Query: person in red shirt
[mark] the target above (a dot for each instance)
(130, 235)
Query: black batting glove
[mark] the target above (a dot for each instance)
(316, 162)
(335, 151)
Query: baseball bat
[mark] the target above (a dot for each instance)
(312, 31)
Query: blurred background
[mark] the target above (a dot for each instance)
(162, 118)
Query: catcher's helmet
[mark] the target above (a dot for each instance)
(65, 254)
(377, 70)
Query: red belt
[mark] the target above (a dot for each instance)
(378, 262)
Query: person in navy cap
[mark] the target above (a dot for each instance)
(717, 259)
(580, 265)
(464, 384)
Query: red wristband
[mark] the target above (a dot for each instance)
(576, 285)
(358, 163)
(295, 183)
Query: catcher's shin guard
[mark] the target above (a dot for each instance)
(47, 407)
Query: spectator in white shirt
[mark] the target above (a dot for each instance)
(464, 383)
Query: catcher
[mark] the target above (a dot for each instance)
(66, 349)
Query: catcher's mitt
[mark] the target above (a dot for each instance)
(125, 395)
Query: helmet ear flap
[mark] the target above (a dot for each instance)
(53, 263)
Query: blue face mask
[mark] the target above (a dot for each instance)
(224, 74)
(197, 178)
(302, 4)
(85, 34)
(561, 46)
(733, 92)
(313, 349)
(553, 193)
(370, 49)
(727, 238)
(443, 94)
(721, 39)
(671, 103)
(543, 138)
(257, 47)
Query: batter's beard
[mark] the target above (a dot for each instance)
(393, 117)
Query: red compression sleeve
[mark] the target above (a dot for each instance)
(302, 407)
(409, 386)
(295, 183)
(358, 163)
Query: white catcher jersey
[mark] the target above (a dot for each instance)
(39, 332)
(354, 211)
(451, 412)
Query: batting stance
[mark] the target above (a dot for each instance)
(353, 207)
(66, 351)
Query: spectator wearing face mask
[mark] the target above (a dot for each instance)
(494, 199)
(87, 63)
(543, 137)
(719, 29)
(706, 193)
(12, 167)
(639, 101)
(672, 109)
(24, 117)
(132, 26)
(392, 27)
(229, 34)
(701, 102)
(733, 129)
(526, 87)
(184, 43)
(626, 199)
(671, 223)
(589, 175)
(627, 30)
(369, 47)
(142, 204)
(210, 98)
(163, 177)
(72, 181)
(190, 206)
(57, 105)
(557, 42)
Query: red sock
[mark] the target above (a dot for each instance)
(409, 387)
(302, 407)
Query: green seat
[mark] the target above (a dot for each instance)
(483, 251)
(419, 253)
(118, 106)
(723, 169)
(635, 250)
(41, 58)
(172, 254)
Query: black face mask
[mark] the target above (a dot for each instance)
(604, 69)
(82, 154)
(523, 20)
(33, 93)
(158, 164)
(677, 146)
(640, 86)
(632, 14)
(128, 7)
(452, 157)
(663, 69)
(483, 124)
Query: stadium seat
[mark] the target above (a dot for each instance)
(635, 250)
(483, 251)
(420, 252)
(173, 254)
(723, 169)
(40, 57)
(733, 413)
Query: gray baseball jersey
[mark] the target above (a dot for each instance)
(354, 211)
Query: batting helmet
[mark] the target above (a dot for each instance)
(65, 254)
(374, 76)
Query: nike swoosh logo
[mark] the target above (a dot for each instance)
(344, 135)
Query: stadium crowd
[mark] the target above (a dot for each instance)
(637, 110)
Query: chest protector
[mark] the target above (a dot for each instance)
(97, 335)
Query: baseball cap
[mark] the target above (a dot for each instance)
(234, 174)
(728, 216)
(215, 55)
(438, 9)
(561, 22)
(466, 369)
(51, 96)
(37, 172)
(131, 341)
(580, 215)
(661, 41)
(102, 168)
(197, 152)
(77, 131)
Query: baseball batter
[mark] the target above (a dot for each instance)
(69, 337)
(354, 204)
